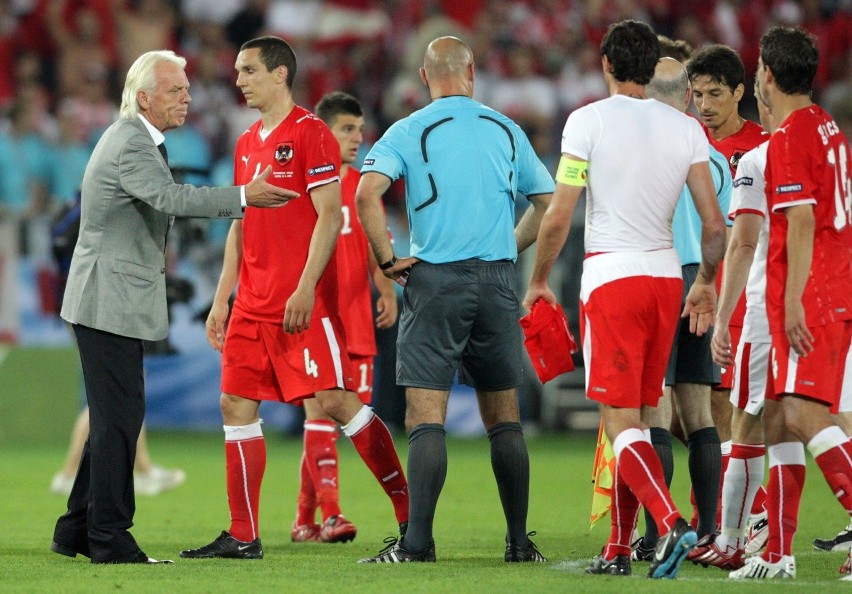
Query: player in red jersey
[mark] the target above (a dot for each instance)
(808, 292)
(355, 266)
(286, 272)
(717, 75)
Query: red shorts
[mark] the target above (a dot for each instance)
(727, 381)
(363, 367)
(627, 327)
(262, 362)
(753, 377)
(818, 376)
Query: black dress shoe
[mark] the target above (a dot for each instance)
(137, 557)
(69, 551)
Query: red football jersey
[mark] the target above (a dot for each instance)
(808, 163)
(303, 154)
(751, 135)
(353, 273)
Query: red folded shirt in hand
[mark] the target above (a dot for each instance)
(548, 340)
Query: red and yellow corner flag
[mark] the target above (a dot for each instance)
(603, 475)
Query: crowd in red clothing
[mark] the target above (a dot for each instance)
(537, 60)
(372, 48)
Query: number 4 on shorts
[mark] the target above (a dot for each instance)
(310, 365)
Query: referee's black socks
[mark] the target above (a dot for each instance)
(511, 465)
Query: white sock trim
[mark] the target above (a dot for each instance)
(789, 452)
(828, 438)
(726, 447)
(313, 426)
(361, 419)
(627, 437)
(241, 432)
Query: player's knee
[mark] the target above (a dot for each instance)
(236, 410)
(334, 406)
(422, 414)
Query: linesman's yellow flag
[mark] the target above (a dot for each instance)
(603, 475)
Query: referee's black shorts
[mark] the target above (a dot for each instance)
(460, 316)
(691, 361)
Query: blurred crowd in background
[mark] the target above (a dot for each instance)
(64, 63)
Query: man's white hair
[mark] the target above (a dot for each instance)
(141, 77)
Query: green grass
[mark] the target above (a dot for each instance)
(469, 528)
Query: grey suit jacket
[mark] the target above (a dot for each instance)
(117, 277)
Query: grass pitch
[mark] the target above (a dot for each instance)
(469, 528)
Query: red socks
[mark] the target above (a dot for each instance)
(306, 505)
(374, 444)
(625, 508)
(832, 451)
(639, 466)
(245, 458)
(320, 458)
(783, 494)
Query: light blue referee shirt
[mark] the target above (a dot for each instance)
(686, 224)
(464, 165)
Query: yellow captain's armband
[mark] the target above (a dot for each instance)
(571, 172)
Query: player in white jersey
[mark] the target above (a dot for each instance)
(632, 155)
(632, 211)
(745, 267)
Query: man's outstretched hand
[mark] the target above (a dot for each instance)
(261, 194)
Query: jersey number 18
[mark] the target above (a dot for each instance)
(842, 187)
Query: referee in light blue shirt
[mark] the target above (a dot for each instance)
(464, 166)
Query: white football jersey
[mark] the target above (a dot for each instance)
(750, 197)
(639, 153)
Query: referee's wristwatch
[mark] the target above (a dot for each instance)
(389, 264)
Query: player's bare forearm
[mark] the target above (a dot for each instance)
(527, 228)
(231, 261)
(800, 246)
(738, 259)
(300, 305)
(219, 309)
(326, 200)
(712, 250)
(553, 230)
(386, 305)
(368, 202)
(700, 303)
(700, 184)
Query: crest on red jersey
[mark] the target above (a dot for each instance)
(283, 153)
(736, 156)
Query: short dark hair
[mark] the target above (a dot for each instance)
(633, 50)
(274, 52)
(719, 62)
(337, 103)
(792, 56)
(678, 49)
